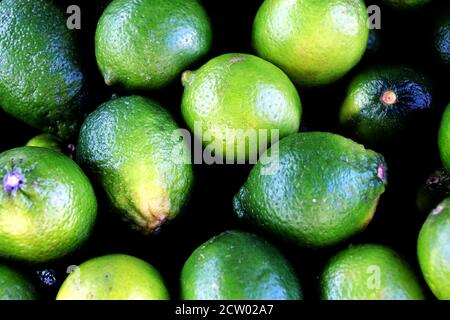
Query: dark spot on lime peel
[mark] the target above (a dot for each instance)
(13, 181)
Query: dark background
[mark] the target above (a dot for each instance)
(405, 38)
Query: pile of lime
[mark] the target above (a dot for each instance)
(207, 150)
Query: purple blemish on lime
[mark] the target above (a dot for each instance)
(13, 181)
(438, 210)
(381, 172)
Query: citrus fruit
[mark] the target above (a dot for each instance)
(14, 285)
(45, 140)
(433, 250)
(314, 42)
(146, 44)
(442, 37)
(47, 205)
(383, 104)
(235, 96)
(318, 189)
(114, 277)
(41, 78)
(369, 272)
(236, 265)
(130, 147)
(444, 139)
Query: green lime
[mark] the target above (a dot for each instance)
(235, 96)
(131, 147)
(14, 285)
(433, 250)
(236, 265)
(47, 205)
(146, 44)
(444, 138)
(369, 272)
(41, 80)
(314, 42)
(114, 277)
(315, 189)
(406, 4)
(385, 103)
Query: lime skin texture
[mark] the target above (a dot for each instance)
(237, 265)
(146, 44)
(433, 250)
(369, 272)
(322, 189)
(42, 81)
(114, 277)
(314, 42)
(239, 93)
(129, 147)
(47, 205)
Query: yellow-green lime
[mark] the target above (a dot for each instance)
(131, 148)
(433, 250)
(369, 272)
(47, 205)
(314, 42)
(114, 277)
(235, 101)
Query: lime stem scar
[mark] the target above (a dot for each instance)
(12, 181)
(389, 97)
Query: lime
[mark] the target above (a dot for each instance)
(47, 205)
(131, 148)
(236, 265)
(369, 272)
(236, 101)
(41, 78)
(433, 250)
(316, 190)
(14, 285)
(384, 104)
(314, 42)
(146, 44)
(444, 138)
(114, 277)
(46, 140)
(442, 37)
